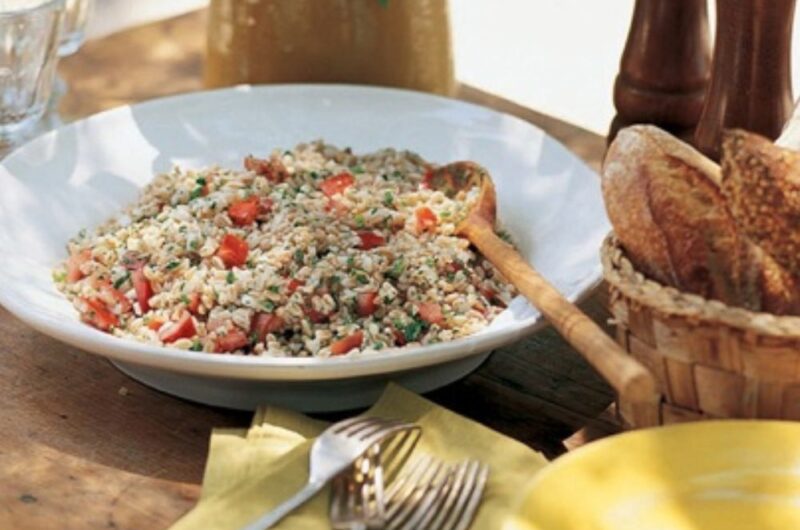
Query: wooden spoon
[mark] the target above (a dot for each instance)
(631, 380)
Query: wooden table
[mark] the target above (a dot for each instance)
(83, 446)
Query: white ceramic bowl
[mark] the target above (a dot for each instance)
(81, 174)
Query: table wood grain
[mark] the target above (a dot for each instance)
(83, 446)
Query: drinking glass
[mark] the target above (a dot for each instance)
(76, 13)
(29, 38)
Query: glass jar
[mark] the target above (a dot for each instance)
(401, 43)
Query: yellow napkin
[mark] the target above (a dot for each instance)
(252, 470)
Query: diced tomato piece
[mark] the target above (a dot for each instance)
(233, 251)
(337, 183)
(233, 340)
(74, 264)
(293, 285)
(365, 303)
(144, 291)
(370, 240)
(427, 179)
(317, 317)
(399, 338)
(430, 312)
(155, 324)
(342, 346)
(245, 211)
(112, 296)
(265, 205)
(426, 219)
(266, 323)
(182, 329)
(338, 209)
(194, 303)
(271, 168)
(98, 315)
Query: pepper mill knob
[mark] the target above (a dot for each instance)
(751, 74)
(665, 66)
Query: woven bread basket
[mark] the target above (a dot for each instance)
(709, 360)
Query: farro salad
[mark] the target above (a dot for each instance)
(309, 252)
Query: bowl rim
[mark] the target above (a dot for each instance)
(82, 336)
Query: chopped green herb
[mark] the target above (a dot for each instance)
(196, 346)
(299, 256)
(314, 175)
(288, 153)
(387, 300)
(200, 181)
(197, 192)
(230, 278)
(451, 276)
(357, 170)
(351, 261)
(398, 268)
(173, 265)
(505, 236)
(431, 263)
(414, 329)
(388, 199)
(268, 305)
(121, 280)
(362, 278)
(377, 346)
(194, 244)
(60, 277)
(359, 220)
(396, 174)
(335, 279)
(274, 288)
(251, 264)
(253, 338)
(445, 214)
(185, 299)
(372, 211)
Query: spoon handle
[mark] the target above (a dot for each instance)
(630, 379)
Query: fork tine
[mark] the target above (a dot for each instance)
(415, 468)
(428, 506)
(477, 492)
(348, 423)
(375, 430)
(427, 482)
(397, 452)
(449, 501)
(458, 517)
(400, 499)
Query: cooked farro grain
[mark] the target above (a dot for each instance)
(310, 252)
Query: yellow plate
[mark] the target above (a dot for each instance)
(726, 475)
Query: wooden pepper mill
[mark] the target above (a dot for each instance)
(751, 74)
(665, 66)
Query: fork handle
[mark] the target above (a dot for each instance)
(282, 510)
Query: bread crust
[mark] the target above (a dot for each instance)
(762, 186)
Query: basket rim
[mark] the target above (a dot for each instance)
(620, 273)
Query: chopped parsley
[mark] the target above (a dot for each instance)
(60, 277)
(299, 256)
(197, 192)
(351, 261)
(359, 220)
(314, 175)
(362, 278)
(357, 170)
(377, 346)
(122, 280)
(173, 265)
(388, 199)
(398, 268)
(230, 278)
(200, 181)
(431, 262)
(396, 174)
(414, 329)
(268, 305)
(185, 299)
(274, 288)
(196, 346)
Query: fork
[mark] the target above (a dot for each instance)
(335, 449)
(357, 500)
(430, 495)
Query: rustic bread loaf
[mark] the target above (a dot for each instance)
(762, 186)
(669, 213)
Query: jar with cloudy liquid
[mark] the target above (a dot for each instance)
(400, 43)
